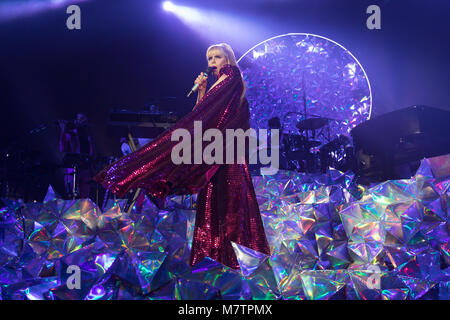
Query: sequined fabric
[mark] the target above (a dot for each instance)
(227, 209)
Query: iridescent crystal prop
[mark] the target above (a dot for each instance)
(329, 239)
(295, 73)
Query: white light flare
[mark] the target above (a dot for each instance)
(10, 10)
(168, 6)
(216, 26)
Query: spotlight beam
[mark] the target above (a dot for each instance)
(220, 26)
(10, 10)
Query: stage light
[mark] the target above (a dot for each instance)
(168, 6)
(10, 10)
(220, 26)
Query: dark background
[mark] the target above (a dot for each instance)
(130, 52)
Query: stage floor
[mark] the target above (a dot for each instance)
(330, 239)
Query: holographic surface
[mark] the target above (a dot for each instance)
(329, 238)
(291, 73)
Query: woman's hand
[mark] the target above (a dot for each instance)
(201, 86)
(201, 83)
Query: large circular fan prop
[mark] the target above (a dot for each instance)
(300, 76)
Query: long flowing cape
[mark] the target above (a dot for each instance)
(151, 167)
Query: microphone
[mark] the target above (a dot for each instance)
(205, 74)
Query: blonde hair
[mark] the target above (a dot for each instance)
(231, 59)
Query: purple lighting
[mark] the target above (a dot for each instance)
(10, 10)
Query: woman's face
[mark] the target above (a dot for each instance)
(216, 58)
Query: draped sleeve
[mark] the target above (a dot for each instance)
(151, 167)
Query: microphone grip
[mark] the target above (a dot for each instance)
(195, 87)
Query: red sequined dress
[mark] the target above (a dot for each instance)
(227, 209)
